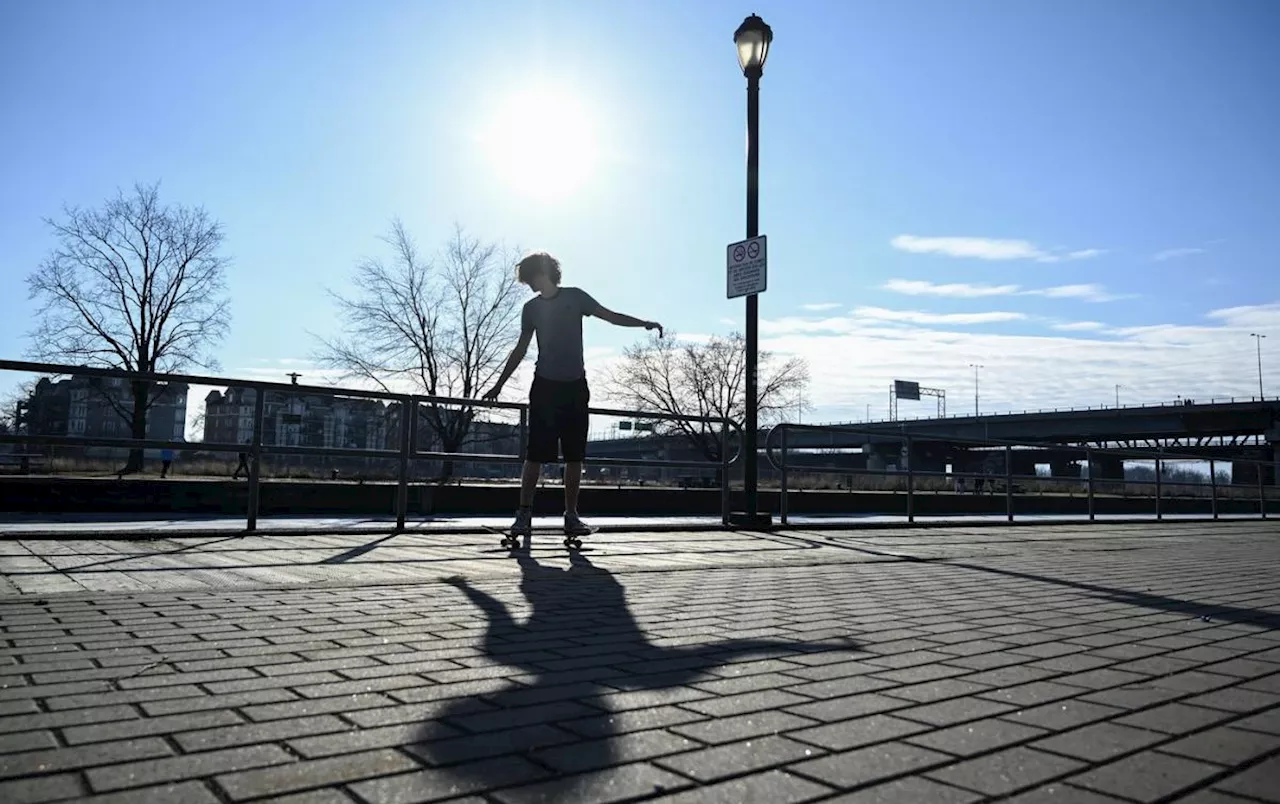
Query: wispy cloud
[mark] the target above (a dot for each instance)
(1080, 326)
(922, 317)
(958, 290)
(986, 248)
(961, 290)
(818, 307)
(1090, 293)
(1175, 253)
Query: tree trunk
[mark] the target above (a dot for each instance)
(138, 425)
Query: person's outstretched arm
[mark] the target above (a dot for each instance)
(623, 320)
(513, 362)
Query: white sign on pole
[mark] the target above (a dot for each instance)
(748, 267)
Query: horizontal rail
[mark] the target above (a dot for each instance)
(405, 453)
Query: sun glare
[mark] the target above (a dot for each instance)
(542, 143)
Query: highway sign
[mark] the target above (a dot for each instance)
(747, 267)
(904, 389)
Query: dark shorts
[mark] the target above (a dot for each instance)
(558, 420)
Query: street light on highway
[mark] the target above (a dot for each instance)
(1258, 338)
(975, 367)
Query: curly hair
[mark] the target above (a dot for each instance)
(539, 262)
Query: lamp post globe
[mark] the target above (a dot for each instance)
(753, 38)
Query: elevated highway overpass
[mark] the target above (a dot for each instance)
(1241, 431)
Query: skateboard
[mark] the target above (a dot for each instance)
(510, 541)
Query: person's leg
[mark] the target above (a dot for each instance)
(529, 482)
(572, 486)
(573, 438)
(541, 448)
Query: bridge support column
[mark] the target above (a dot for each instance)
(1245, 473)
(1107, 468)
(1064, 469)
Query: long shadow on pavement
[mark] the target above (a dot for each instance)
(578, 612)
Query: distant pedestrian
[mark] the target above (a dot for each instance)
(244, 464)
(166, 460)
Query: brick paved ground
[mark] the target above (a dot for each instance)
(1090, 664)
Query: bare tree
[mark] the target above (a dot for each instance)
(134, 285)
(666, 375)
(439, 327)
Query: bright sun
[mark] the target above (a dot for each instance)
(543, 144)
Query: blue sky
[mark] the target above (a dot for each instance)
(1073, 194)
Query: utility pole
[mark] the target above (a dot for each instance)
(1258, 339)
(975, 367)
(1117, 394)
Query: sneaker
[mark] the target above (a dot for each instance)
(523, 525)
(573, 526)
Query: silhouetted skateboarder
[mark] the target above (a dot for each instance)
(559, 397)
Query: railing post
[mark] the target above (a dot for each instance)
(911, 482)
(1008, 482)
(1213, 487)
(255, 457)
(1262, 491)
(1088, 463)
(724, 473)
(1159, 488)
(782, 496)
(408, 409)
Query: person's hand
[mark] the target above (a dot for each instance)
(456, 580)
(654, 325)
(492, 394)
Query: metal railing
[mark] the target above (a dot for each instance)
(407, 449)
(910, 475)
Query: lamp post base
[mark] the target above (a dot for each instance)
(743, 521)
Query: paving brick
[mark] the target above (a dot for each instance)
(1011, 676)
(1235, 699)
(200, 703)
(955, 710)
(185, 792)
(523, 716)
(1258, 781)
(1194, 681)
(734, 686)
(1138, 696)
(848, 707)
(1224, 746)
(847, 734)
(745, 703)
(644, 699)
(1267, 722)
(864, 765)
(437, 784)
(1006, 771)
(172, 769)
(344, 742)
(598, 754)
(253, 733)
(331, 796)
(731, 759)
(631, 720)
(145, 727)
(1145, 777)
(1037, 692)
(26, 741)
(1100, 741)
(977, 737)
(1062, 794)
(770, 787)
(39, 789)
(317, 773)
(59, 759)
(1063, 714)
(451, 750)
(623, 783)
(1174, 718)
(908, 790)
(930, 691)
(317, 706)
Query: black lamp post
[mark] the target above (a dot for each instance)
(753, 38)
